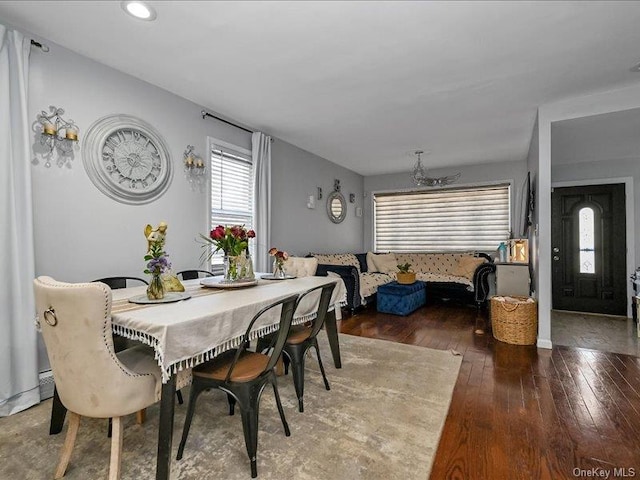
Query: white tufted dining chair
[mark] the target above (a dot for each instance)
(91, 379)
(301, 266)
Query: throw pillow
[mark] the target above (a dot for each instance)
(371, 266)
(385, 262)
(467, 266)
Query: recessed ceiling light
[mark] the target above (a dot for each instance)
(139, 10)
(636, 68)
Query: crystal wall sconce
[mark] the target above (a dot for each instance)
(194, 169)
(55, 134)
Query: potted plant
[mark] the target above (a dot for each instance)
(405, 276)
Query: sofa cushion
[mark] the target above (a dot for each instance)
(362, 259)
(371, 267)
(370, 281)
(385, 262)
(337, 259)
(467, 266)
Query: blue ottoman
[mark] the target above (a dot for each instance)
(401, 299)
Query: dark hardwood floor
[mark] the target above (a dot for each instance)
(519, 412)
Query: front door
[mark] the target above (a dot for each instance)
(589, 249)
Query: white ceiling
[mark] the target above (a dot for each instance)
(363, 83)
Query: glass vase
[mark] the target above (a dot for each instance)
(238, 268)
(155, 290)
(278, 269)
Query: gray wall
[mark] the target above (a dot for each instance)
(295, 176)
(81, 235)
(515, 172)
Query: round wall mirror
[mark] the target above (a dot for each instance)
(336, 207)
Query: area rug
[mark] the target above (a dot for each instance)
(381, 420)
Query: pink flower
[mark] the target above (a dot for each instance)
(251, 234)
(279, 255)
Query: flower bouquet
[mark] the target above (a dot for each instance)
(279, 257)
(233, 241)
(157, 264)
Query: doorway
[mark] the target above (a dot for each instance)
(589, 249)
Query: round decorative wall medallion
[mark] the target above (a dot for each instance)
(127, 159)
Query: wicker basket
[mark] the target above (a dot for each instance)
(514, 320)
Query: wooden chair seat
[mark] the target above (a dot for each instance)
(299, 334)
(250, 365)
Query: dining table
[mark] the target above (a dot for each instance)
(207, 319)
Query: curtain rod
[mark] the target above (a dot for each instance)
(207, 114)
(42, 47)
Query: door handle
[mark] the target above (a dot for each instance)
(556, 249)
(556, 258)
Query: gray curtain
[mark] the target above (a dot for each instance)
(18, 342)
(261, 157)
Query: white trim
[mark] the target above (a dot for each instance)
(544, 343)
(630, 221)
(231, 146)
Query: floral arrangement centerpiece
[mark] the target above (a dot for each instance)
(279, 257)
(157, 260)
(233, 241)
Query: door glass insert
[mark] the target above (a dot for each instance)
(587, 242)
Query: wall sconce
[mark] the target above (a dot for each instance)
(194, 169)
(352, 198)
(319, 194)
(54, 133)
(519, 250)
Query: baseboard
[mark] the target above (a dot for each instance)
(544, 343)
(46, 384)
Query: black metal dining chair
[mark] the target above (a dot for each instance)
(302, 337)
(193, 274)
(243, 376)
(120, 282)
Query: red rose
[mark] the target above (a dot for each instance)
(251, 234)
(217, 233)
(236, 231)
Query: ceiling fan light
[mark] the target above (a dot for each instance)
(420, 178)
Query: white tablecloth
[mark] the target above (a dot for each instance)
(190, 332)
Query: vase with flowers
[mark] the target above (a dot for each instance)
(233, 241)
(279, 257)
(157, 264)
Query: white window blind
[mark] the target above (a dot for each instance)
(231, 192)
(437, 220)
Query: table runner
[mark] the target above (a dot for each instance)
(190, 332)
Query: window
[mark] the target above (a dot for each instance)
(231, 190)
(587, 250)
(437, 220)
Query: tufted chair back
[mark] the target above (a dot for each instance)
(91, 380)
(301, 266)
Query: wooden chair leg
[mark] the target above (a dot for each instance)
(69, 442)
(141, 416)
(116, 449)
